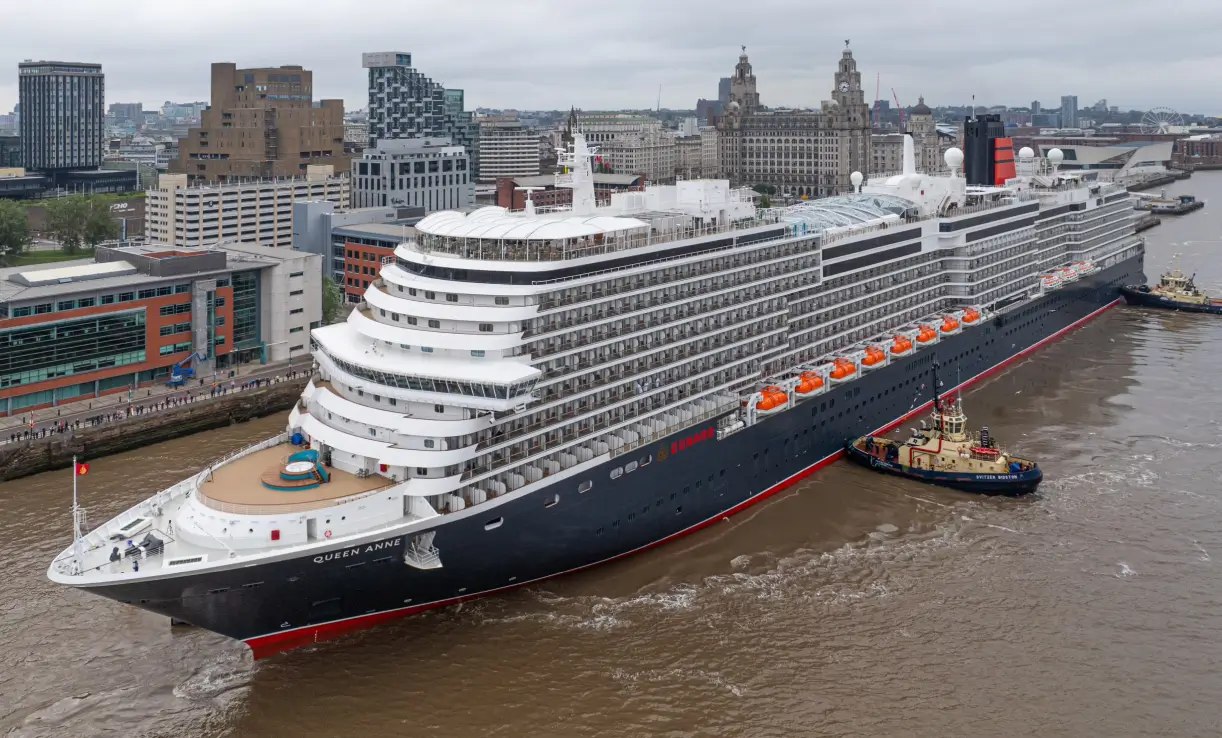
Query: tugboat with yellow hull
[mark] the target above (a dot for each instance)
(1174, 291)
(948, 455)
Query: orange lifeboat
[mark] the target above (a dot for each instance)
(971, 315)
(949, 325)
(774, 399)
(902, 345)
(927, 335)
(874, 358)
(810, 384)
(842, 371)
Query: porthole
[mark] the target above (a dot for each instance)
(494, 523)
(630, 466)
(585, 486)
(552, 500)
(617, 472)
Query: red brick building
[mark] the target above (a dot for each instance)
(549, 195)
(366, 248)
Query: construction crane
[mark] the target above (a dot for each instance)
(901, 107)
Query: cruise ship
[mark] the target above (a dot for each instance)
(526, 394)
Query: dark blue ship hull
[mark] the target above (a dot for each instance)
(692, 480)
(1013, 485)
(1144, 297)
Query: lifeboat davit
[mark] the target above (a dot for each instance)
(811, 384)
(842, 371)
(927, 336)
(1050, 281)
(971, 316)
(774, 398)
(874, 358)
(902, 346)
(949, 326)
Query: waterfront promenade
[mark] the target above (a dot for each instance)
(63, 420)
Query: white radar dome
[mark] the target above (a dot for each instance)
(1056, 156)
(1026, 153)
(953, 157)
(856, 179)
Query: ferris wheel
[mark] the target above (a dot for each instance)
(1161, 120)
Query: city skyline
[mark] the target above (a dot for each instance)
(616, 57)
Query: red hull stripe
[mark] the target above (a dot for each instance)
(274, 643)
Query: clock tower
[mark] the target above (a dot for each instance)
(848, 90)
(848, 118)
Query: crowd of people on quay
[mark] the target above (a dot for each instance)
(31, 429)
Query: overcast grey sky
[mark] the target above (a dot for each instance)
(550, 54)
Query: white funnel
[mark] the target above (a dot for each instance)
(909, 155)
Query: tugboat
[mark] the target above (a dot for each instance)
(1173, 291)
(948, 456)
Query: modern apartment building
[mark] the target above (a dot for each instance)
(428, 173)
(507, 148)
(1069, 111)
(262, 124)
(405, 103)
(76, 330)
(63, 106)
(259, 211)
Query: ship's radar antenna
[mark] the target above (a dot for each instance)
(529, 206)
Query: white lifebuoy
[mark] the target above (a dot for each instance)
(327, 534)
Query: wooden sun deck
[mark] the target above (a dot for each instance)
(238, 482)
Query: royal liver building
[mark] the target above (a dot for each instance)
(803, 153)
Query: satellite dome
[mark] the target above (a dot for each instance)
(953, 157)
(1026, 153)
(856, 179)
(1056, 156)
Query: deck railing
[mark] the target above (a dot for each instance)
(237, 508)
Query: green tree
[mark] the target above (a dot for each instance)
(14, 230)
(67, 218)
(99, 226)
(332, 301)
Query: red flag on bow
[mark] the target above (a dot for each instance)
(82, 469)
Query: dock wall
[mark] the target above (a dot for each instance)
(55, 452)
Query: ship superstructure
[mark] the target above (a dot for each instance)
(522, 394)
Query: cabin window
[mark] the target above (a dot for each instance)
(645, 461)
(552, 500)
(585, 486)
(429, 443)
(617, 472)
(630, 466)
(494, 523)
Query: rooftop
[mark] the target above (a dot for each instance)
(130, 265)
